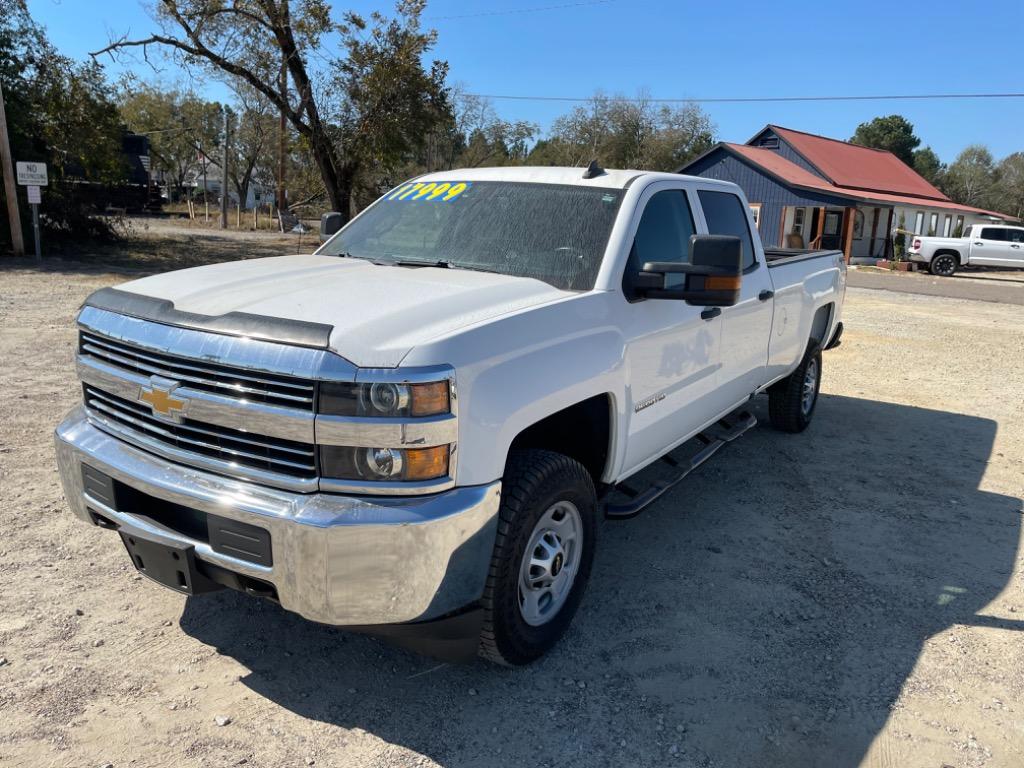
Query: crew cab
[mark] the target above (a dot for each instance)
(415, 431)
(982, 245)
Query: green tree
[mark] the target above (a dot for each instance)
(894, 133)
(253, 138)
(928, 165)
(373, 106)
(482, 137)
(59, 112)
(971, 177)
(1008, 193)
(183, 129)
(627, 133)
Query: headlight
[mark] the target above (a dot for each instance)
(384, 464)
(384, 399)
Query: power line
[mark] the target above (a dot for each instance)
(758, 99)
(509, 11)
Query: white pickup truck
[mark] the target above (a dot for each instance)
(415, 431)
(983, 245)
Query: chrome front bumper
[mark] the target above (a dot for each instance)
(344, 560)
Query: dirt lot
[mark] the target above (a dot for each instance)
(849, 596)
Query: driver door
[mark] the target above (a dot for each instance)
(672, 348)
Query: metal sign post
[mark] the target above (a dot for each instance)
(33, 176)
(34, 199)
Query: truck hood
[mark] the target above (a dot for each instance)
(378, 313)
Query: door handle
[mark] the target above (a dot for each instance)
(1014, 245)
(979, 243)
(765, 295)
(710, 313)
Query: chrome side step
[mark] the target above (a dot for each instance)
(707, 444)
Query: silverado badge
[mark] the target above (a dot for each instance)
(158, 395)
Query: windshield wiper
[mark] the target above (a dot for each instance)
(422, 263)
(443, 264)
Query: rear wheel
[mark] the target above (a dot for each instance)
(542, 556)
(792, 400)
(944, 265)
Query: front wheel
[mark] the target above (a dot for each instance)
(542, 556)
(791, 401)
(944, 265)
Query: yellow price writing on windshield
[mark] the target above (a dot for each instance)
(430, 191)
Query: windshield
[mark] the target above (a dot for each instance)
(550, 232)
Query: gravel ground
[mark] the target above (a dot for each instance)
(849, 596)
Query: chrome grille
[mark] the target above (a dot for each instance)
(234, 447)
(269, 388)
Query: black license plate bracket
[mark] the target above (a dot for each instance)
(170, 564)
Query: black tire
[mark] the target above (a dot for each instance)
(944, 265)
(534, 482)
(787, 408)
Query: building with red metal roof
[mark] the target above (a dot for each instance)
(813, 191)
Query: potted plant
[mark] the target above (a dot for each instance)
(899, 249)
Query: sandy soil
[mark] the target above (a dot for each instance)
(849, 596)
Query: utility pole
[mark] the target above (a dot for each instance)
(10, 188)
(224, 175)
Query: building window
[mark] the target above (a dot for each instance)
(933, 225)
(947, 225)
(958, 231)
(770, 142)
(755, 211)
(919, 223)
(858, 224)
(798, 220)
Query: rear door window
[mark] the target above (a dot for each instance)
(726, 215)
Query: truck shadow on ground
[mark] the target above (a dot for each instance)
(768, 612)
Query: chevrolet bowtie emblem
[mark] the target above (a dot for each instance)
(158, 395)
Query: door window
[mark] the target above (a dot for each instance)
(663, 234)
(725, 215)
(993, 233)
(1015, 235)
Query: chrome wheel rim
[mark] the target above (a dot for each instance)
(552, 558)
(944, 265)
(810, 387)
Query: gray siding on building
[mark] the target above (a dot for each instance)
(761, 188)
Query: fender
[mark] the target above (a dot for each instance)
(516, 370)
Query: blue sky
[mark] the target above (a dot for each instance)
(692, 49)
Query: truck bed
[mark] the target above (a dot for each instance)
(778, 256)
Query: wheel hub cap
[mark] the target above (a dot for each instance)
(810, 387)
(550, 562)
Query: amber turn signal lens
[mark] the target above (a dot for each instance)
(426, 463)
(720, 283)
(429, 399)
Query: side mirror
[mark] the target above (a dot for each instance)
(329, 224)
(711, 279)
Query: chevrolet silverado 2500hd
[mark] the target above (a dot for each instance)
(414, 431)
(982, 245)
